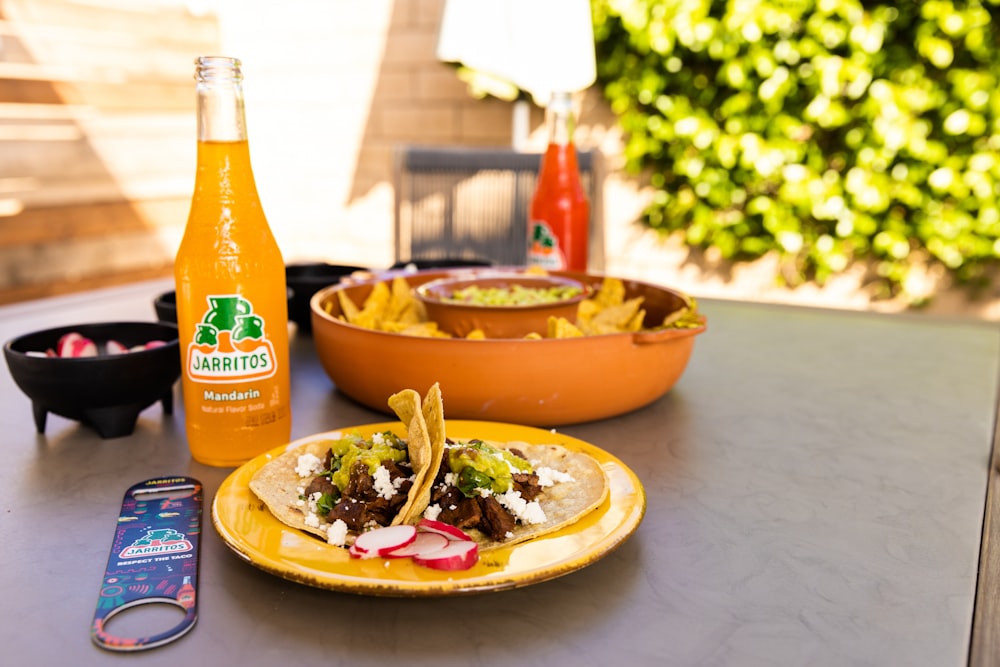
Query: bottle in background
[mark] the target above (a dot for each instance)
(560, 213)
(232, 304)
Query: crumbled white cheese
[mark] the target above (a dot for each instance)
(533, 514)
(525, 512)
(308, 465)
(550, 476)
(313, 499)
(383, 483)
(432, 512)
(312, 520)
(378, 439)
(336, 534)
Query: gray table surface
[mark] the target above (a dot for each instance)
(816, 485)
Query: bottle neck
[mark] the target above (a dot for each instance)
(220, 99)
(560, 120)
(224, 172)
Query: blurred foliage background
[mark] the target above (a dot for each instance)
(831, 132)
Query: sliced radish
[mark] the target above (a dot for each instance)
(442, 528)
(62, 345)
(423, 545)
(147, 346)
(357, 553)
(381, 541)
(457, 555)
(74, 345)
(114, 347)
(65, 343)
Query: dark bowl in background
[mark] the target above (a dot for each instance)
(165, 306)
(105, 392)
(305, 279)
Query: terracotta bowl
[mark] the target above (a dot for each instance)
(548, 382)
(497, 321)
(106, 392)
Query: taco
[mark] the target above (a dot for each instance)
(504, 493)
(339, 487)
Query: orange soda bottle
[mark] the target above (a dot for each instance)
(232, 304)
(560, 212)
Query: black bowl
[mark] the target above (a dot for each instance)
(105, 392)
(165, 306)
(307, 279)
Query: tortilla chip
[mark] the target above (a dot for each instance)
(402, 306)
(611, 293)
(422, 329)
(406, 405)
(347, 307)
(615, 318)
(686, 317)
(433, 413)
(560, 327)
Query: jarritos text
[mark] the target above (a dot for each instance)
(157, 542)
(229, 343)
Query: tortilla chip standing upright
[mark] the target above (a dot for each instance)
(425, 429)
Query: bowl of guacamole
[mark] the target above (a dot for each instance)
(500, 305)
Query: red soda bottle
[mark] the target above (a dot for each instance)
(560, 212)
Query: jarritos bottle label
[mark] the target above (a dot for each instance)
(229, 343)
(543, 247)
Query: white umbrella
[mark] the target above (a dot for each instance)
(538, 46)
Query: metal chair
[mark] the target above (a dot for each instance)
(472, 204)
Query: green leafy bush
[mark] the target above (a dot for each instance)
(831, 132)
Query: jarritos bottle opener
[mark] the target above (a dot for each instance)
(154, 560)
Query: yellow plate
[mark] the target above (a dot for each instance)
(252, 532)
